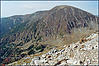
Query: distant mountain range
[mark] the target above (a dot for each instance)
(32, 30)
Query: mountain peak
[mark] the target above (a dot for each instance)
(61, 7)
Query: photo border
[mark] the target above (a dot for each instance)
(56, 0)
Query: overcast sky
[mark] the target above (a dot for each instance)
(10, 8)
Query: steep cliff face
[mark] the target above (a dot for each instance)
(66, 22)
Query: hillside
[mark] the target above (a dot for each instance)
(23, 35)
(80, 53)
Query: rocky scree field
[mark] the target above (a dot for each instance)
(83, 52)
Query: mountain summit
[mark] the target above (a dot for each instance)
(23, 35)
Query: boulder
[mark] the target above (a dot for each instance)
(44, 56)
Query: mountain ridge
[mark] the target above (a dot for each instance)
(60, 23)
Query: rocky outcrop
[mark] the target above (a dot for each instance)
(85, 53)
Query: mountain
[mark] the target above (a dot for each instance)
(23, 35)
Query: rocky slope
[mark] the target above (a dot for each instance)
(83, 52)
(24, 35)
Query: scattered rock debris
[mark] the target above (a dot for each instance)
(84, 52)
